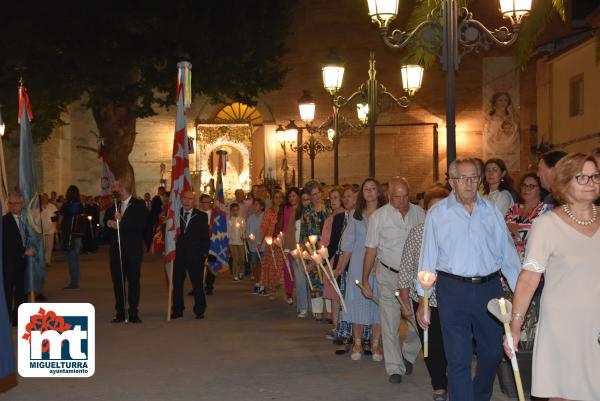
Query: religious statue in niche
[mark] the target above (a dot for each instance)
(501, 138)
(163, 175)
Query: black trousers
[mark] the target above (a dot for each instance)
(131, 273)
(14, 288)
(436, 361)
(195, 271)
(210, 280)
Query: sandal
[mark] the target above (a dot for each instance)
(356, 350)
(377, 354)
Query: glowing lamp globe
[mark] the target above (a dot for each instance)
(362, 111)
(333, 72)
(382, 12)
(515, 10)
(412, 77)
(306, 106)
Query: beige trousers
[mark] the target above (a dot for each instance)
(389, 311)
(48, 246)
(238, 259)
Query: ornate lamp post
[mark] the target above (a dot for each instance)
(293, 134)
(460, 34)
(369, 96)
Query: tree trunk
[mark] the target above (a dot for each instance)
(116, 125)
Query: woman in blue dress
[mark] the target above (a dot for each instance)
(361, 311)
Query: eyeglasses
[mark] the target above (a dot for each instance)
(530, 187)
(473, 179)
(583, 179)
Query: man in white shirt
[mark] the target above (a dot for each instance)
(388, 228)
(49, 227)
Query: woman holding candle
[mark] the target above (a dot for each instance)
(497, 185)
(407, 277)
(329, 293)
(361, 311)
(563, 245)
(521, 215)
(272, 265)
(313, 218)
(292, 213)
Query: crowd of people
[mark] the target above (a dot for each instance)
(481, 238)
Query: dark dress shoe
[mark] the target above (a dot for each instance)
(118, 319)
(209, 292)
(200, 316)
(408, 366)
(395, 378)
(176, 315)
(135, 319)
(41, 297)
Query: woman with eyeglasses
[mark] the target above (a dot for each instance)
(564, 246)
(497, 184)
(521, 215)
(313, 218)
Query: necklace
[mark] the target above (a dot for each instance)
(577, 220)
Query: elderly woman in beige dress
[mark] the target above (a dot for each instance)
(565, 246)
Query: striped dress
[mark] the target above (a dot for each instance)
(360, 309)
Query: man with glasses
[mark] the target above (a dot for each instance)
(387, 231)
(467, 244)
(14, 245)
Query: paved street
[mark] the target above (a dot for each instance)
(247, 348)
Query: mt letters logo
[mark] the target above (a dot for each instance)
(57, 340)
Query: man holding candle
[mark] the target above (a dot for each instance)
(388, 228)
(467, 243)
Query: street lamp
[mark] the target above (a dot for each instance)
(368, 98)
(461, 34)
(291, 136)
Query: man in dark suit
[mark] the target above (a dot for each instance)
(191, 249)
(14, 245)
(130, 216)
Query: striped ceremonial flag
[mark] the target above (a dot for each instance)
(180, 167)
(107, 180)
(36, 268)
(219, 242)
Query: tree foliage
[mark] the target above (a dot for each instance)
(122, 55)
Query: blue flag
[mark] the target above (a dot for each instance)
(219, 242)
(36, 269)
(7, 362)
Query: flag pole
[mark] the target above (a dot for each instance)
(170, 300)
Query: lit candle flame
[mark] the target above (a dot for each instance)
(252, 237)
(323, 252)
(269, 240)
(312, 239)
